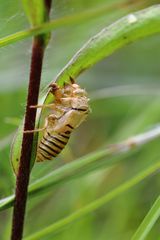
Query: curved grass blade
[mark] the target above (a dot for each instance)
(126, 30)
(88, 163)
(66, 21)
(59, 225)
(65, 173)
(148, 222)
(6, 202)
(17, 142)
(122, 32)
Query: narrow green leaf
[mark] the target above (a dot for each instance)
(36, 11)
(17, 143)
(6, 202)
(88, 163)
(16, 148)
(151, 15)
(124, 31)
(59, 225)
(148, 222)
(65, 173)
(37, 14)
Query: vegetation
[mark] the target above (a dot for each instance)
(107, 176)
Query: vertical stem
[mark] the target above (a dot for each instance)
(22, 180)
(24, 168)
(48, 5)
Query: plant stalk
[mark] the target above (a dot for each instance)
(22, 181)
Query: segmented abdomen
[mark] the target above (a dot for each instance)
(51, 145)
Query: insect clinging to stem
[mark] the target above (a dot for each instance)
(68, 111)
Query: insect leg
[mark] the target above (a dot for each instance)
(51, 105)
(38, 129)
(35, 130)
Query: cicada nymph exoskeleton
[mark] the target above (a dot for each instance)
(69, 109)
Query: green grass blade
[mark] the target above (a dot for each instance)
(54, 24)
(95, 204)
(148, 222)
(124, 31)
(35, 11)
(65, 173)
(6, 202)
(88, 163)
(127, 29)
(148, 16)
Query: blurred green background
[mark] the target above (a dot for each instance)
(124, 93)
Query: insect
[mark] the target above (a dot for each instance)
(68, 111)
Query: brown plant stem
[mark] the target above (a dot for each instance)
(22, 180)
(24, 168)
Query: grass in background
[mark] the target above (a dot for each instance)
(112, 120)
